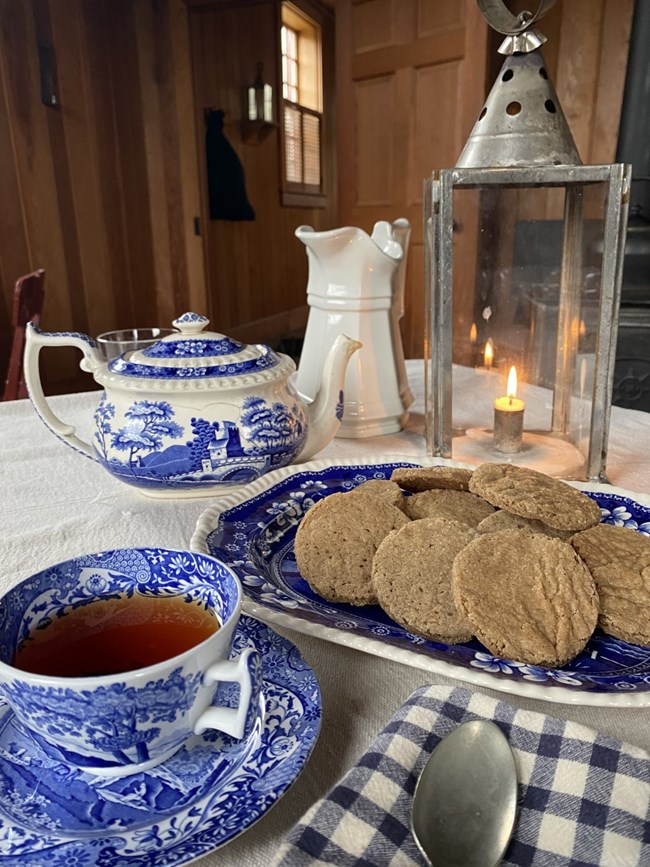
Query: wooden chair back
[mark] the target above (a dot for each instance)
(29, 294)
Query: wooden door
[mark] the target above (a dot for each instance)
(411, 79)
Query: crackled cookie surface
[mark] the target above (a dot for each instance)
(417, 479)
(531, 494)
(528, 597)
(619, 560)
(452, 505)
(502, 520)
(411, 574)
(386, 490)
(336, 541)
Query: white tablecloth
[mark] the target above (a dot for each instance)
(55, 504)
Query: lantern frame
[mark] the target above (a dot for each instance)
(439, 273)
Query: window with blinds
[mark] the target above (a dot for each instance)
(302, 103)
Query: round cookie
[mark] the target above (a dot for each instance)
(416, 479)
(452, 505)
(619, 560)
(411, 574)
(527, 597)
(503, 520)
(531, 494)
(336, 542)
(384, 489)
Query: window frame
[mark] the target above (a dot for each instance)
(293, 193)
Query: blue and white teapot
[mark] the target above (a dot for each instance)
(196, 412)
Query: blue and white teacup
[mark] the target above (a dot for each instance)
(118, 724)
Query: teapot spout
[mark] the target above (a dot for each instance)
(326, 410)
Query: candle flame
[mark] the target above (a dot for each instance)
(511, 389)
(582, 328)
(473, 334)
(488, 354)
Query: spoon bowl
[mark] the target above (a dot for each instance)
(465, 800)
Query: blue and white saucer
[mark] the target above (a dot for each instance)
(54, 814)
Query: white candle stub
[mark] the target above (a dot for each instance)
(509, 418)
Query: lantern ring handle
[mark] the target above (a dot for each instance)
(502, 19)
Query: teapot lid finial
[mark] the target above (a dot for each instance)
(191, 323)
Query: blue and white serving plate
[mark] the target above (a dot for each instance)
(253, 532)
(53, 814)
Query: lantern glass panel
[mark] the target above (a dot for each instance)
(522, 275)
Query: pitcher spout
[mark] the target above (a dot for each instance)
(326, 410)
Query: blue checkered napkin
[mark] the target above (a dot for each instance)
(584, 799)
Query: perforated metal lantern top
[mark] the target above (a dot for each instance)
(522, 122)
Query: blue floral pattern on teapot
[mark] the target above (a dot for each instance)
(145, 449)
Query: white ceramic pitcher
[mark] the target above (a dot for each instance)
(356, 287)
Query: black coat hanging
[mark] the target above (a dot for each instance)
(226, 183)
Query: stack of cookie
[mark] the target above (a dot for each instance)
(507, 554)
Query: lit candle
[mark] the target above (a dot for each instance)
(509, 418)
(488, 354)
(473, 346)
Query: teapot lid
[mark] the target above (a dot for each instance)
(196, 354)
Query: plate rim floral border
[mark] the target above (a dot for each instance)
(558, 694)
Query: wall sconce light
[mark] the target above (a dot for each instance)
(260, 98)
(524, 253)
(257, 122)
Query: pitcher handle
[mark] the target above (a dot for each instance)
(35, 340)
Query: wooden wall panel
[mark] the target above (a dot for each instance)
(188, 158)
(13, 235)
(43, 186)
(72, 145)
(609, 84)
(373, 26)
(102, 187)
(439, 87)
(375, 100)
(112, 305)
(437, 16)
(577, 70)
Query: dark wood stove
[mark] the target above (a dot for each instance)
(632, 370)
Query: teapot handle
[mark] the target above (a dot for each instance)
(35, 340)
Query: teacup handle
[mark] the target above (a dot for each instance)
(246, 670)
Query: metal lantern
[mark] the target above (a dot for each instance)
(260, 98)
(524, 254)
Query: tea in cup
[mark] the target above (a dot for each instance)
(112, 660)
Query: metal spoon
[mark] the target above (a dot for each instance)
(465, 800)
